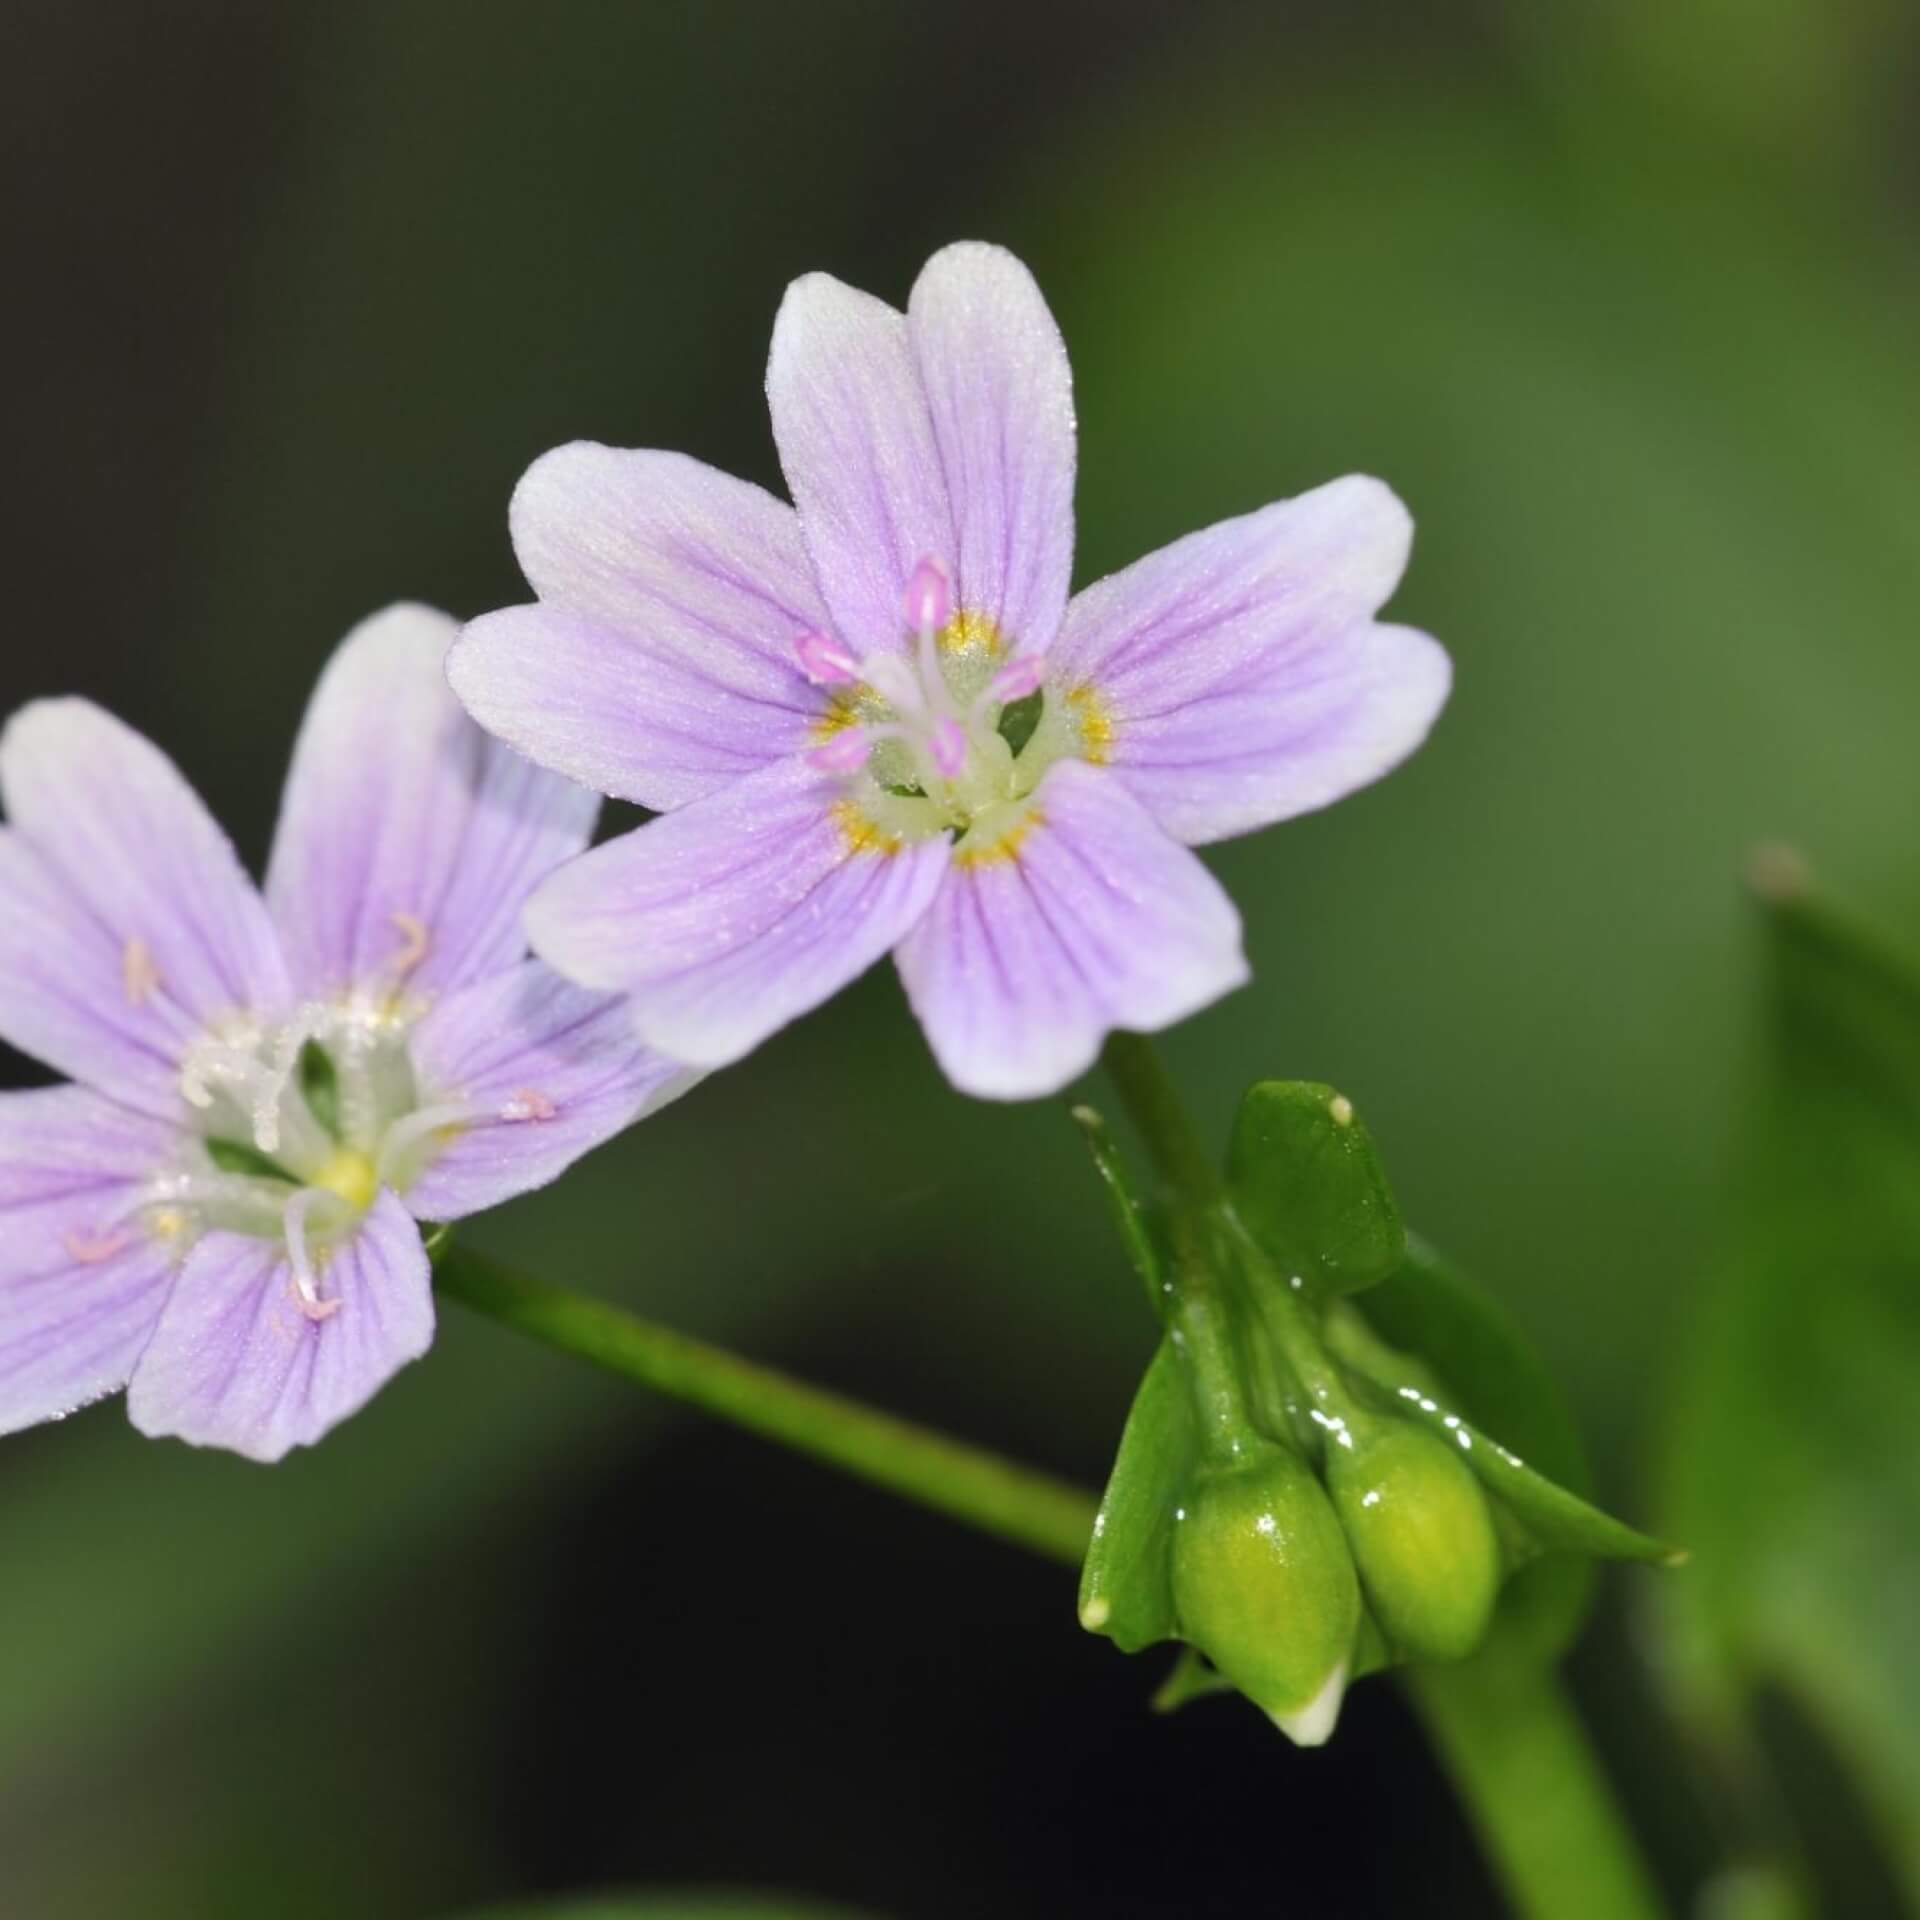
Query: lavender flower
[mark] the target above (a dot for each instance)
(271, 1091)
(878, 722)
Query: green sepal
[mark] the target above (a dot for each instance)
(320, 1086)
(1308, 1186)
(1131, 1217)
(1126, 1584)
(236, 1156)
(1189, 1678)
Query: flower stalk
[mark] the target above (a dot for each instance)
(968, 1483)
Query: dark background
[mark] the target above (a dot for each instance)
(1622, 299)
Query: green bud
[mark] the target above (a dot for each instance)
(1264, 1586)
(1423, 1537)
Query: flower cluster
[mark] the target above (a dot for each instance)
(872, 721)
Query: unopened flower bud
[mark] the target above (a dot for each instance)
(1264, 1586)
(1422, 1536)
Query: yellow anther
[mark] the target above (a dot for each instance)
(996, 849)
(1094, 723)
(861, 834)
(970, 632)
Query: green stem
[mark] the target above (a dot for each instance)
(1154, 1102)
(1519, 1758)
(1031, 1509)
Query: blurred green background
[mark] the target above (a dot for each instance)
(1622, 299)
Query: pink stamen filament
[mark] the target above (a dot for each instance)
(90, 1249)
(1018, 678)
(847, 751)
(825, 661)
(929, 596)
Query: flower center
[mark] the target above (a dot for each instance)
(351, 1176)
(297, 1125)
(947, 735)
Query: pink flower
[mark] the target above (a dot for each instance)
(875, 721)
(272, 1088)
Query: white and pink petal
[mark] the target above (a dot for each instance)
(1088, 919)
(1000, 393)
(543, 1070)
(129, 923)
(856, 440)
(726, 920)
(82, 1275)
(1238, 677)
(409, 840)
(239, 1362)
(661, 661)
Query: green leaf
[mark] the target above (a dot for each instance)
(320, 1086)
(1791, 1463)
(1478, 1361)
(1308, 1186)
(236, 1156)
(1019, 719)
(1126, 1585)
(1130, 1217)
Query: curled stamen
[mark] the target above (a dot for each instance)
(415, 941)
(529, 1103)
(929, 597)
(404, 1136)
(306, 1284)
(139, 977)
(825, 661)
(212, 1064)
(307, 1024)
